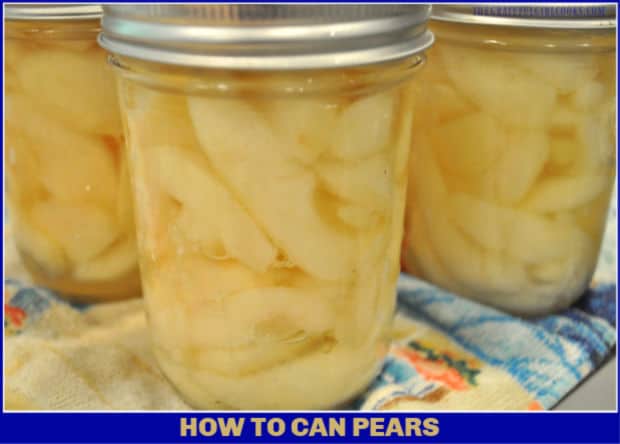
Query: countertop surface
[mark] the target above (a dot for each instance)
(598, 392)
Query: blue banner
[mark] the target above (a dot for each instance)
(306, 427)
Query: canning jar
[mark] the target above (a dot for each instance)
(269, 157)
(67, 179)
(514, 157)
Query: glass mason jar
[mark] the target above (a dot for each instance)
(67, 179)
(270, 191)
(514, 157)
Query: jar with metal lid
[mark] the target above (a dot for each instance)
(268, 146)
(67, 179)
(514, 157)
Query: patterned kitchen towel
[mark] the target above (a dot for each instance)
(448, 353)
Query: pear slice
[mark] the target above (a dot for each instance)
(358, 217)
(590, 95)
(229, 306)
(85, 172)
(551, 272)
(565, 193)
(364, 127)
(255, 358)
(480, 220)
(596, 133)
(449, 102)
(588, 144)
(244, 240)
(190, 279)
(37, 244)
(502, 182)
(287, 209)
(556, 284)
(473, 267)
(478, 270)
(83, 230)
(239, 141)
(470, 145)
(22, 167)
(365, 301)
(79, 91)
(564, 120)
(183, 175)
(197, 232)
(305, 125)
(566, 153)
(494, 82)
(520, 165)
(564, 72)
(145, 106)
(592, 217)
(278, 193)
(571, 269)
(293, 309)
(367, 182)
(185, 297)
(118, 260)
(73, 166)
(535, 239)
(320, 377)
(523, 236)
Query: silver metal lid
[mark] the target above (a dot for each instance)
(541, 15)
(266, 36)
(54, 11)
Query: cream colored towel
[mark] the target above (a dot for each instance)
(58, 357)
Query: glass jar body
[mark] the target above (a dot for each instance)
(67, 179)
(269, 209)
(513, 164)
